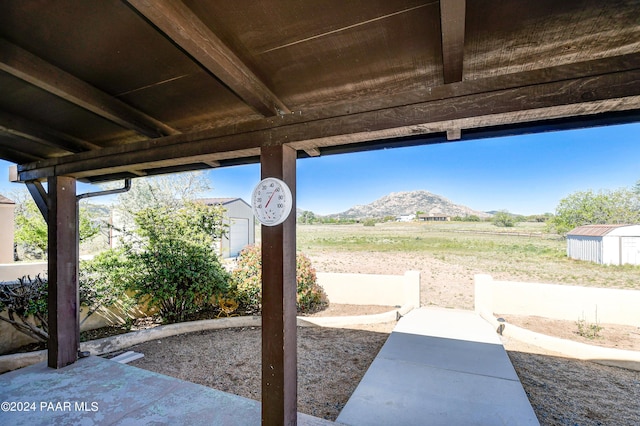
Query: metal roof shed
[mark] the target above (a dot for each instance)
(605, 244)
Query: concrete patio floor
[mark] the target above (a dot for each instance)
(440, 367)
(97, 391)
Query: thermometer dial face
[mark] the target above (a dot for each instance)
(271, 201)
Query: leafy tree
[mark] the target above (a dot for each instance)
(31, 229)
(166, 257)
(307, 217)
(591, 208)
(167, 191)
(635, 191)
(539, 218)
(173, 266)
(504, 219)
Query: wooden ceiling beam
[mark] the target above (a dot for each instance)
(19, 127)
(34, 70)
(452, 24)
(18, 154)
(567, 97)
(185, 29)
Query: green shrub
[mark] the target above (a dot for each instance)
(103, 282)
(246, 279)
(247, 282)
(503, 219)
(310, 296)
(588, 330)
(173, 266)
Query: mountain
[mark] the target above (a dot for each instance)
(408, 203)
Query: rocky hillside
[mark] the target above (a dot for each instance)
(408, 203)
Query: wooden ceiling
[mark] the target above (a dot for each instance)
(107, 89)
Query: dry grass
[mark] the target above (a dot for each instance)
(531, 256)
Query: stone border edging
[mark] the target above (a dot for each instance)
(344, 321)
(606, 356)
(121, 341)
(14, 361)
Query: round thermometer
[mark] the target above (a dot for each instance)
(271, 201)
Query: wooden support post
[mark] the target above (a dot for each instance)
(64, 328)
(279, 359)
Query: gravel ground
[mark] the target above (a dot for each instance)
(570, 392)
(332, 361)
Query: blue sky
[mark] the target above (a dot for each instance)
(524, 174)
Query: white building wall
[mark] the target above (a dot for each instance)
(239, 219)
(610, 250)
(628, 244)
(630, 247)
(6, 232)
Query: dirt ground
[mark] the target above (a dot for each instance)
(331, 361)
(608, 335)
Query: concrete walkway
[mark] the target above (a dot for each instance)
(440, 367)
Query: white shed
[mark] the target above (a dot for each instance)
(241, 225)
(7, 208)
(605, 244)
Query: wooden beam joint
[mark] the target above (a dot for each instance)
(312, 152)
(454, 134)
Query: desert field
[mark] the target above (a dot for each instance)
(449, 254)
